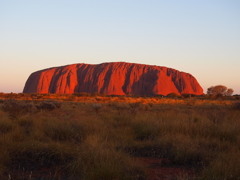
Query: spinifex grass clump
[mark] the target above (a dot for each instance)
(61, 130)
(100, 160)
(145, 128)
(224, 166)
(97, 107)
(33, 155)
(48, 105)
(16, 108)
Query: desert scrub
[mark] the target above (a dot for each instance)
(236, 105)
(192, 137)
(4, 159)
(96, 107)
(26, 124)
(186, 152)
(33, 155)
(225, 166)
(135, 105)
(63, 130)
(119, 106)
(101, 160)
(48, 105)
(145, 129)
(6, 126)
(76, 143)
(17, 108)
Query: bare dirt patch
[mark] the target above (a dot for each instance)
(162, 169)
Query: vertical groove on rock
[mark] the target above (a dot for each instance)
(118, 78)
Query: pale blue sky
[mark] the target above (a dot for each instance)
(201, 37)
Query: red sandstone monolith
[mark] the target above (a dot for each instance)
(118, 78)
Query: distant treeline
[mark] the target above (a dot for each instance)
(32, 96)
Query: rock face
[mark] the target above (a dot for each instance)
(118, 78)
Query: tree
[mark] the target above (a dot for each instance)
(229, 92)
(219, 90)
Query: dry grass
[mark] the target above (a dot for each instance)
(99, 138)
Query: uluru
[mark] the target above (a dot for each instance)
(114, 78)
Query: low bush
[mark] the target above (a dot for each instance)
(32, 156)
(97, 107)
(60, 130)
(48, 105)
(188, 95)
(16, 108)
(145, 129)
(236, 105)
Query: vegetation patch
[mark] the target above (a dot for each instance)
(101, 139)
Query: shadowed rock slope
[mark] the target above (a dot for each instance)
(117, 78)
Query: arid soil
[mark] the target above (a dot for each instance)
(162, 169)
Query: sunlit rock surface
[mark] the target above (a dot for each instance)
(118, 78)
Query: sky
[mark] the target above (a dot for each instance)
(200, 37)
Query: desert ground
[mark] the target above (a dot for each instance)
(94, 136)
